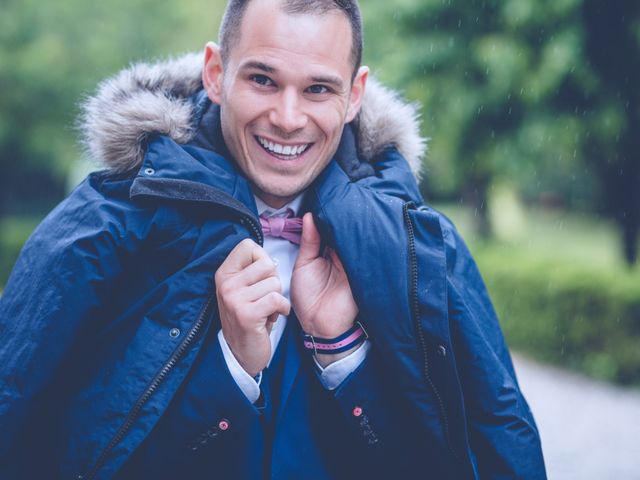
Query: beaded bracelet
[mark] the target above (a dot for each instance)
(331, 346)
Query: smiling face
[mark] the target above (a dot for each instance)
(285, 94)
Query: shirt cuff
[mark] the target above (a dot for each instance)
(250, 386)
(333, 375)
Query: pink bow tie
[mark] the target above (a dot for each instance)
(289, 228)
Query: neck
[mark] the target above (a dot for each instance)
(272, 200)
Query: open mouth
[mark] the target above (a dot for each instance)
(284, 152)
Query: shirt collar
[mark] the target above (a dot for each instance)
(294, 205)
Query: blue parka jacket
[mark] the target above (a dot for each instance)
(107, 306)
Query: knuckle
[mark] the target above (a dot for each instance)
(265, 263)
(246, 243)
(224, 289)
(276, 284)
(275, 299)
(268, 268)
(242, 249)
(218, 276)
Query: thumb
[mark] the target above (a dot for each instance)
(310, 240)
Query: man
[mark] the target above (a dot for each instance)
(163, 322)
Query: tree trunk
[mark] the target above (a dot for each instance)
(477, 197)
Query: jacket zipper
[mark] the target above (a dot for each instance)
(415, 310)
(246, 220)
(254, 225)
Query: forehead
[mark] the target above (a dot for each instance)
(310, 41)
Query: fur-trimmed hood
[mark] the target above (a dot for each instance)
(149, 98)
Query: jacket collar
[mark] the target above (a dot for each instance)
(199, 172)
(203, 169)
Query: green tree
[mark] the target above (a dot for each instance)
(51, 54)
(539, 92)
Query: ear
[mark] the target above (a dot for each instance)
(212, 72)
(357, 93)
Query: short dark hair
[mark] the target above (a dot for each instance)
(233, 14)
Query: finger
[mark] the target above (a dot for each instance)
(272, 304)
(243, 255)
(257, 271)
(261, 289)
(310, 241)
(271, 321)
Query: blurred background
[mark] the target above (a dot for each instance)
(532, 109)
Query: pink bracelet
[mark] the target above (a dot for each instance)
(331, 346)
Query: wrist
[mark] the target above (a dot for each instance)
(324, 329)
(257, 358)
(325, 360)
(330, 350)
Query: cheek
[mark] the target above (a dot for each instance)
(331, 119)
(244, 105)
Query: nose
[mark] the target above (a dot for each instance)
(287, 114)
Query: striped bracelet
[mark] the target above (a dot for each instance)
(331, 346)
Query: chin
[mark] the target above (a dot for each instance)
(284, 195)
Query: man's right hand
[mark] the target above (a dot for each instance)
(249, 301)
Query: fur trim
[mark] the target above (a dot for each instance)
(154, 98)
(385, 119)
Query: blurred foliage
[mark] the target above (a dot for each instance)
(561, 293)
(540, 92)
(53, 53)
(565, 313)
(13, 233)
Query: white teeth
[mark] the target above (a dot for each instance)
(282, 149)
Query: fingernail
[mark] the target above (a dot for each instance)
(275, 261)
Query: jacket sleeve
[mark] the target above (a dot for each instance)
(56, 292)
(502, 432)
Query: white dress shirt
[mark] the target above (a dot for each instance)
(284, 254)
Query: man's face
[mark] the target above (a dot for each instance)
(285, 95)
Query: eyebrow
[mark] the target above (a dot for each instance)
(254, 65)
(335, 81)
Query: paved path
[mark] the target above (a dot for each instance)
(590, 430)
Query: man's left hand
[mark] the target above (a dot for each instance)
(320, 292)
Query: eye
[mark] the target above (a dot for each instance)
(318, 89)
(261, 80)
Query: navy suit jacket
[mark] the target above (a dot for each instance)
(297, 429)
